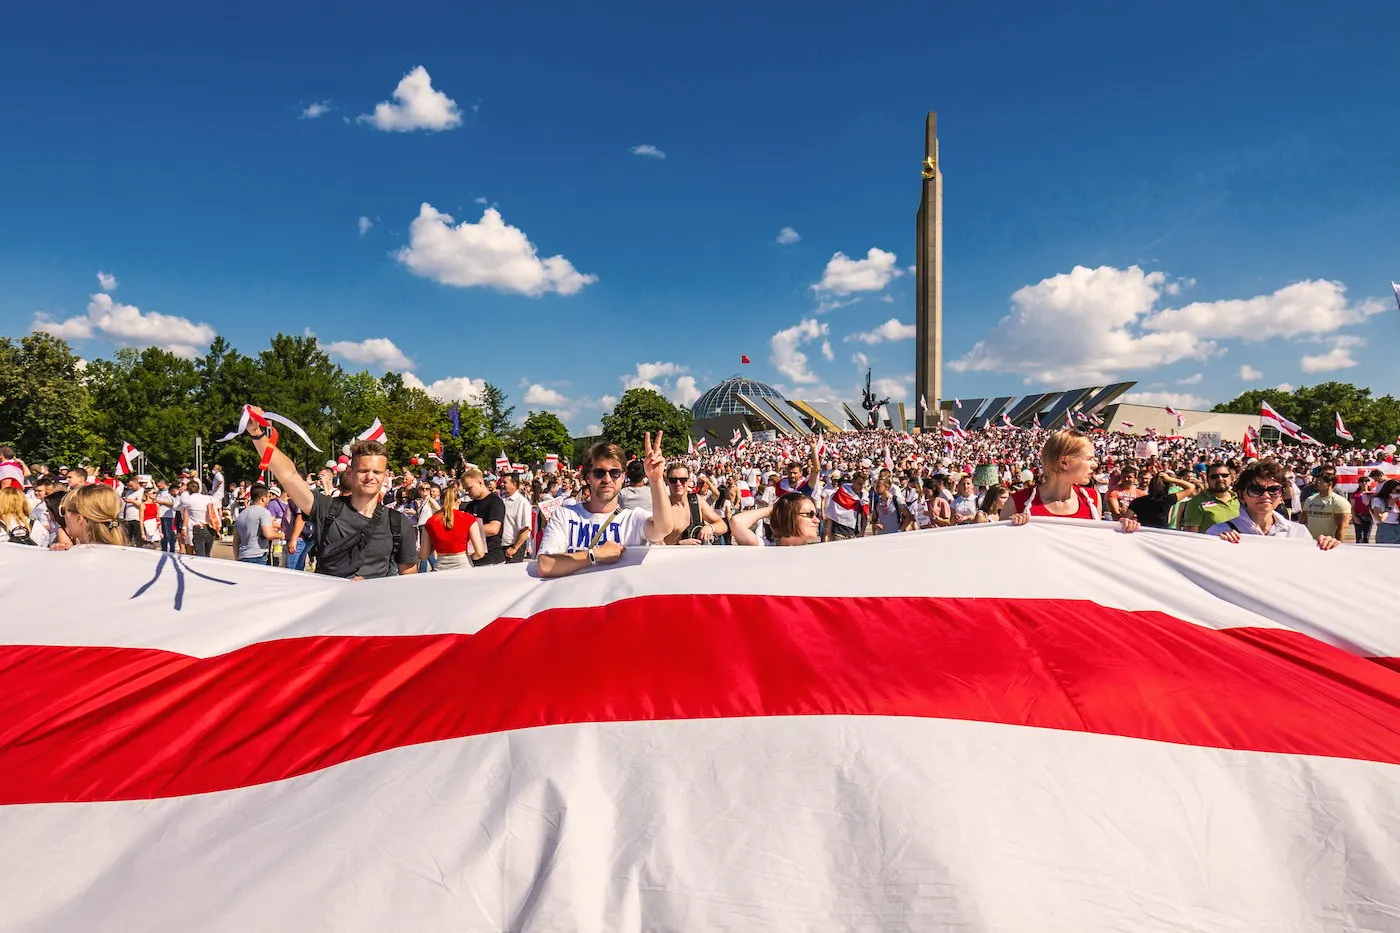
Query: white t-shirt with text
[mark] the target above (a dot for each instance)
(573, 527)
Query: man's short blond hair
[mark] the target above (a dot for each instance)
(472, 473)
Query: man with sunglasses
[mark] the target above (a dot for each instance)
(1216, 505)
(693, 521)
(600, 529)
(1262, 488)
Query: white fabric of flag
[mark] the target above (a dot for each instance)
(1060, 729)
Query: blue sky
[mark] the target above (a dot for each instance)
(1225, 181)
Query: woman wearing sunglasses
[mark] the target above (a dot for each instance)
(1262, 487)
(793, 520)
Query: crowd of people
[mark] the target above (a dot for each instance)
(368, 521)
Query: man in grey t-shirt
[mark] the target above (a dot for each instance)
(635, 495)
(255, 528)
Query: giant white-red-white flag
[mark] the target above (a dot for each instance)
(1122, 732)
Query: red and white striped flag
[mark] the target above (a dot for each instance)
(1271, 418)
(502, 462)
(195, 745)
(735, 437)
(889, 462)
(551, 463)
(1006, 420)
(702, 445)
(1035, 421)
(126, 460)
(1176, 414)
(1249, 446)
(1341, 429)
(690, 448)
(374, 432)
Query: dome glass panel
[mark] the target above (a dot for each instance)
(723, 399)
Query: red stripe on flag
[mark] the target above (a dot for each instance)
(102, 723)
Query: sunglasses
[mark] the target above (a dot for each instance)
(1254, 489)
(600, 473)
(678, 479)
(1220, 476)
(806, 514)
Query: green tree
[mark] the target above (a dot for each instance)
(227, 380)
(298, 380)
(643, 410)
(498, 414)
(146, 397)
(541, 434)
(411, 418)
(45, 405)
(1372, 421)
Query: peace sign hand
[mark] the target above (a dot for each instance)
(654, 461)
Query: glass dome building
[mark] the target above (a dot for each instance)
(723, 399)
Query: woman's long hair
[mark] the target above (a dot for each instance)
(989, 498)
(450, 497)
(14, 508)
(102, 508)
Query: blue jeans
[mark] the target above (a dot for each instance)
(1387, 534)
(296, 556)
(167, 533)
(254, 560)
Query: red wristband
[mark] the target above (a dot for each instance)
(267, 451)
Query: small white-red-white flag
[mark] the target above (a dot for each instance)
(551, 463)
(1341, 429)
(1006, 420)
(1248, 447)
(126, 459)
(1126, 424)
(1268, 416)
(1035, 420)
(735, 437)
(502, 462)
(821, 446)
(690, 447)
(889, 463)
(1175, 414)
(374, 432)
(702, 444)
(923, 402)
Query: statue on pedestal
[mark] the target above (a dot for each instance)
(871, 404)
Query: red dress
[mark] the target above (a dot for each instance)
(450, 540)
(1088, 497)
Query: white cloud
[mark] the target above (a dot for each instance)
(593, 430)
(649, 151)
(896, 389)
(789, 360)
(1249, 373)
(1286, 387)
(480, 200)
(365, 223)
(451, 389)
(890, 330)
(489, 252)
(416, 107)
(607, 402)
(844, 275)
(827, 352)
(107, 281)
(1339, 357)
(686, 390)
(788, 236)
(1303, 308)
(1192, 380)
(129, 325)
(670, 379)
(1090, 324)
(317, 109)
(860, 360)
(1081, 326)
(374, 351)
(1178, 400)
(542, 395)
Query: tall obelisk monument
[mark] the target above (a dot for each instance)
(928, 315)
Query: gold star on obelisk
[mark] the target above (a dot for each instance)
(930, 167)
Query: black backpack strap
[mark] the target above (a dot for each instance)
(349, 542)
(396, 530)
(694, 509)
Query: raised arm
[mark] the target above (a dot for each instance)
(282, 467)
(741, 526)
(660, 524)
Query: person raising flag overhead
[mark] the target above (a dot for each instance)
(126, 462)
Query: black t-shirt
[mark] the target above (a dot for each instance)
(489, 508)
(376, 558)
(1153, 511)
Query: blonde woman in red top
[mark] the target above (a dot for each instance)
(454, 535)
(1066, 488)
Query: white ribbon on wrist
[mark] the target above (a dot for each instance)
(263, 420)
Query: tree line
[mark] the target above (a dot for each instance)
(1373, 422)
(58, 409)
